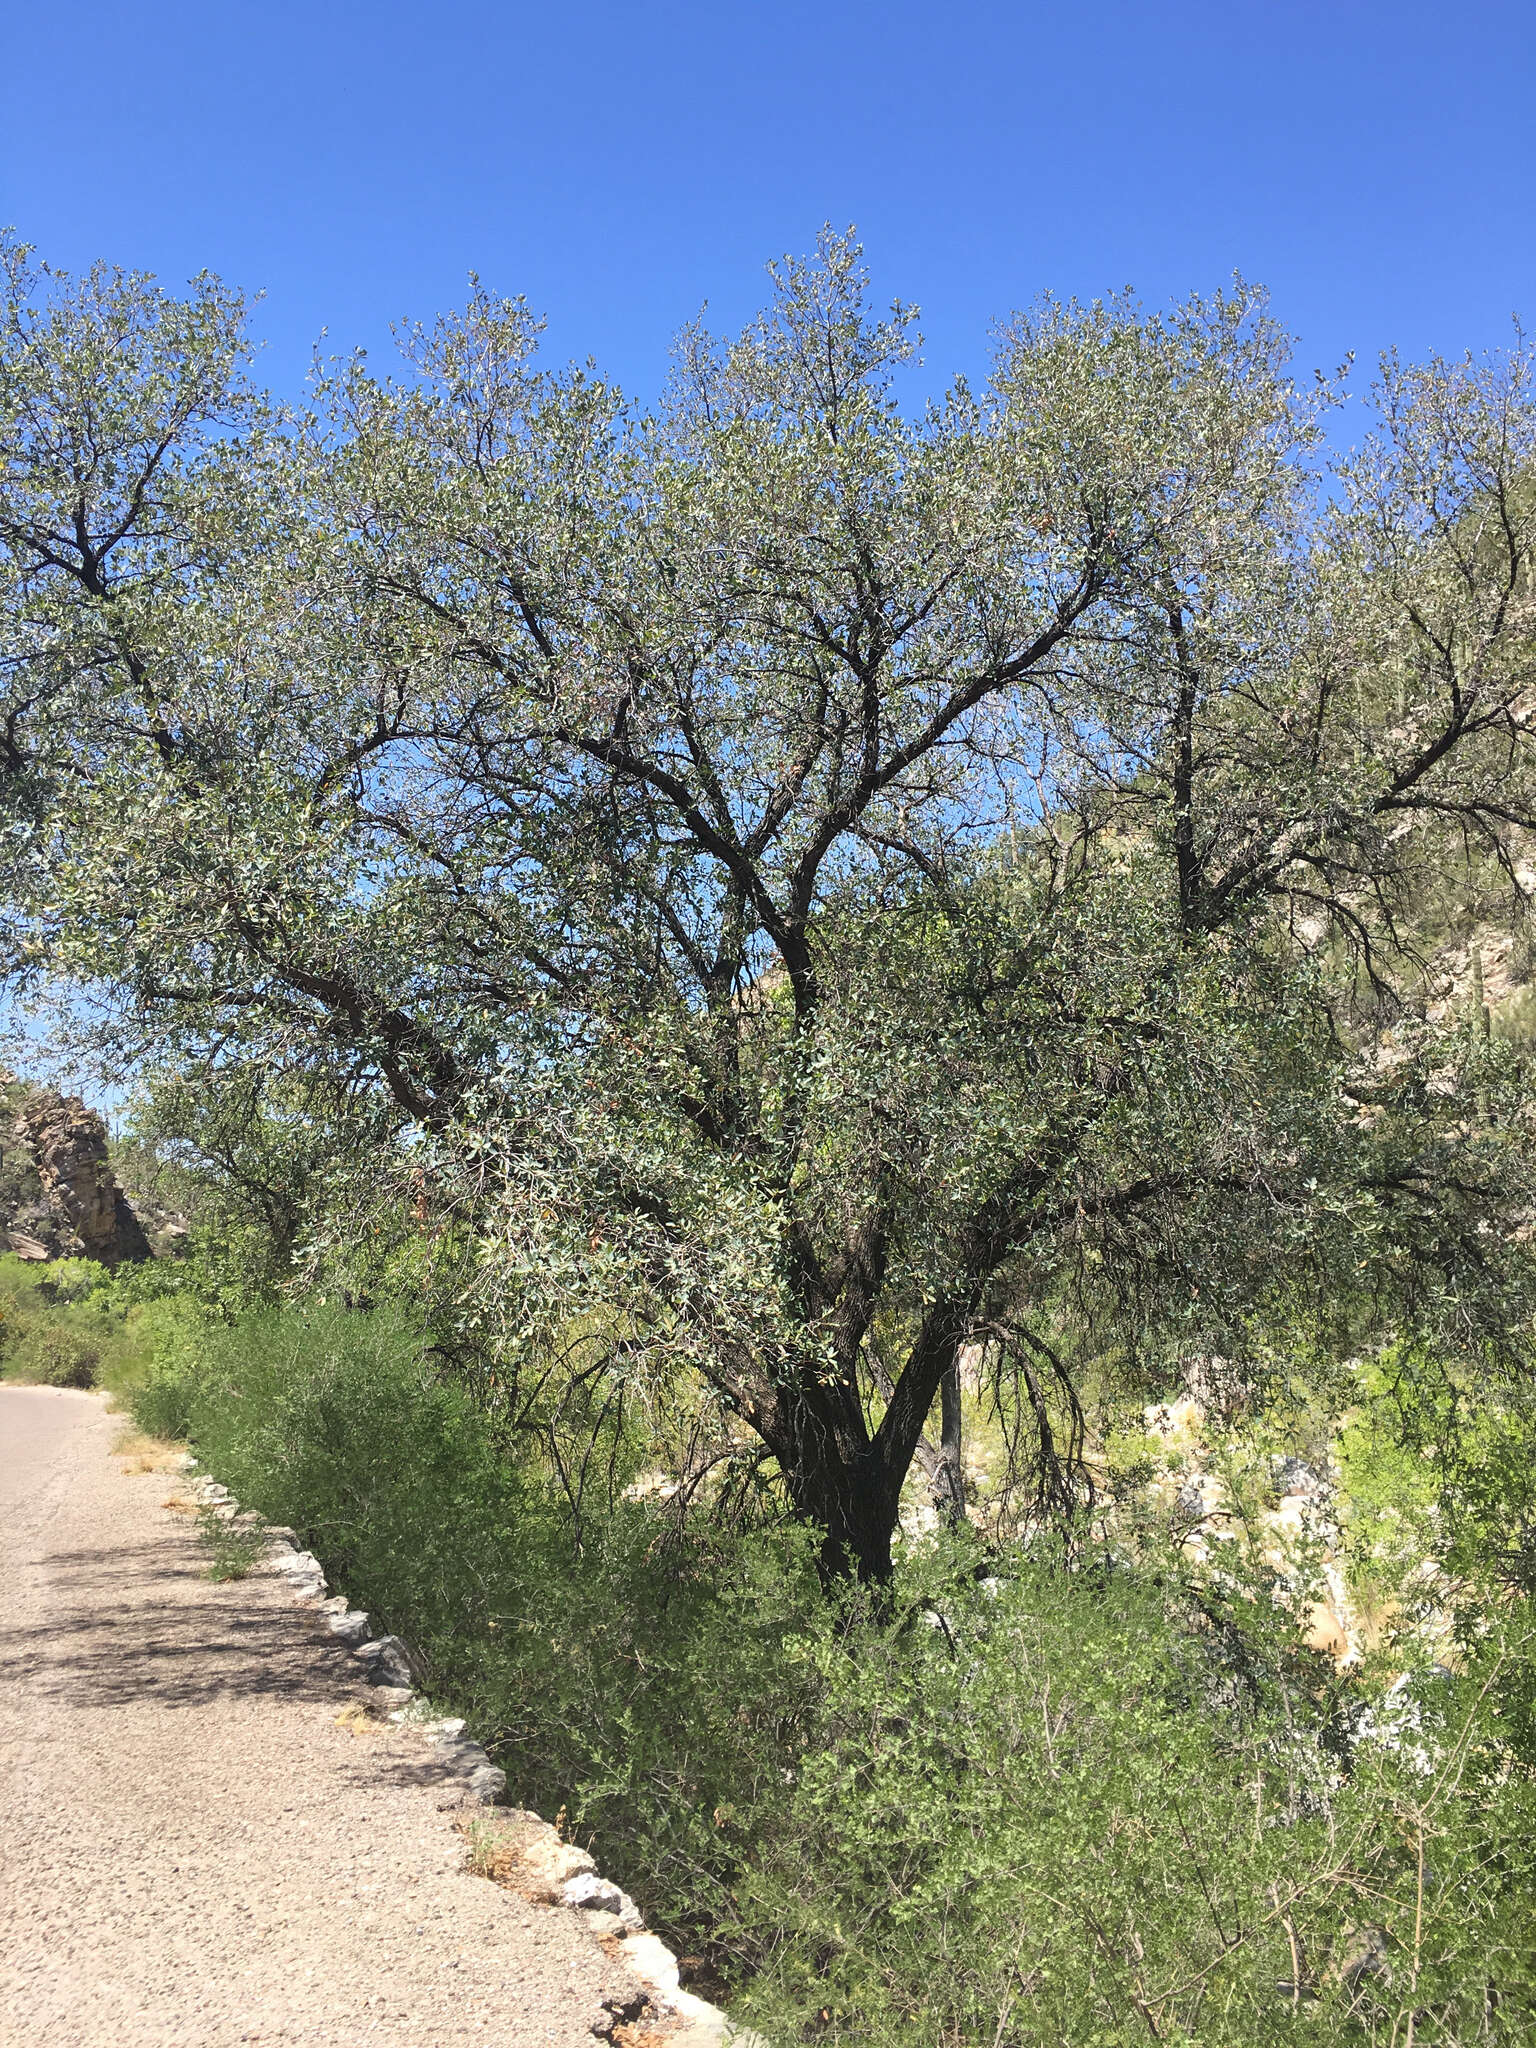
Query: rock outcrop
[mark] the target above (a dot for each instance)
(68, 1146)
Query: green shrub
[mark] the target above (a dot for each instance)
(161, 1402)
(52, 1329)
(1089, 1805)
(233, 1546)
(163, 1357)
(635, 1677)
(1069, 1817)
(70, 1322)
(63, 1351)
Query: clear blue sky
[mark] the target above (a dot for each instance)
(1373, 164)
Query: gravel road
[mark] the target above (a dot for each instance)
(193, 1850)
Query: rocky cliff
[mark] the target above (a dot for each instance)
(66, 1201)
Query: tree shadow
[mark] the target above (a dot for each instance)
(144, 1623)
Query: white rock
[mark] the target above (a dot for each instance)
(1295, 1476)
(594, 1893)
(351, 1624)
(547, 1860)
(297, 1564)
(655, 1965)
(438, 1732)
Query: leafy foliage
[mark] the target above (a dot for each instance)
(809, 884)
(1089, 1803)
(53, 1330)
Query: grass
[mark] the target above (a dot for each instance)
(143, 1453)
(234, 1543)
(488, 1852)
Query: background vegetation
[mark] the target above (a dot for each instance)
(807, 1051)
(1033, 1798)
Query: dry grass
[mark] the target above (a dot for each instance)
(141, 1453)
(496, 1852)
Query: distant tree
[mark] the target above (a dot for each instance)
(827, 884)
(249, 1155)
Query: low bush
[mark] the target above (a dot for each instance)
(164, 1352)
(65, 1351)
(233, 1547)
(1068, 1817)
(1094, 1805)
(71, 1323)
(636, 1678)
(52, 1329)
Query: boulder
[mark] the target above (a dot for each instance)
(1294, 1476)
(298, 1564)
(488, 1784)
(386, 1661)
(462, 1756)
(305, 1576)
(545, 1863)
(703, 2025)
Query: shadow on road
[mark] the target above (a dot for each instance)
(146, 1624)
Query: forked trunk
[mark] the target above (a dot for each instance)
(854, 1503)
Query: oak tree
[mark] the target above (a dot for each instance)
(821, 883)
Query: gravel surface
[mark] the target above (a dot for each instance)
(193, 1850)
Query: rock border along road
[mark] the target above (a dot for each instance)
(194, 1849)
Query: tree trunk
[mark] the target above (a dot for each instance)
(849, 1481)
(847, 1492)
(859, 1523)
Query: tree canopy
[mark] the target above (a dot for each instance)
(816, 883)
